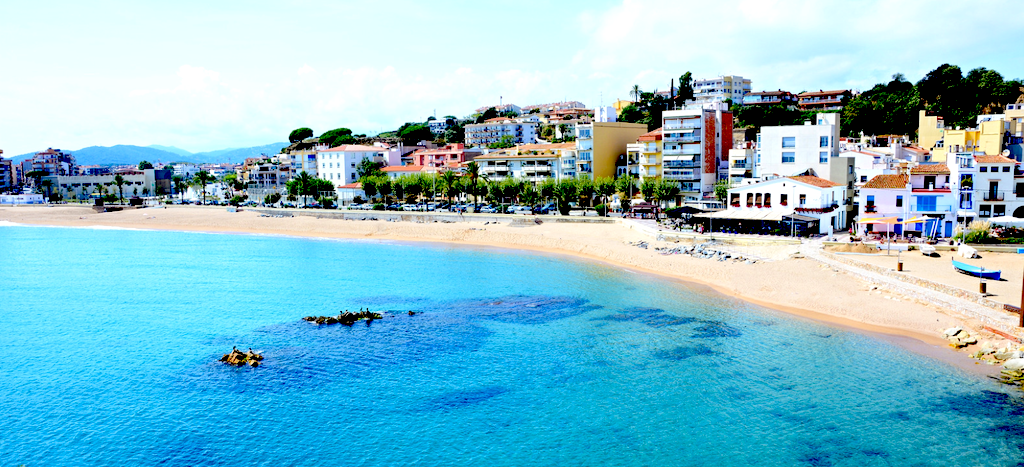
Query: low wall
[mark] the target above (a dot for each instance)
(931, 285)
(414, 216)
(980, 247)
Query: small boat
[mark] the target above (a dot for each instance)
(976, 271)
(928, 250)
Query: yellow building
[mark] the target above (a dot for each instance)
(600, 145)
(621, 104)
(935, 137)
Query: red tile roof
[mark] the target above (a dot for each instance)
(814, 181)
(403, 168)
(887, 182)
(356, 185)
(930, 169)
(994, 160)
(651, 136)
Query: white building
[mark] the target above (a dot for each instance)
(493, 130)
(186, 171)
(605, 114)
(339, 164)
(772, 204)
(438, 127)
(532, 162)
(720, 88)
(793, 149)
(695, 143)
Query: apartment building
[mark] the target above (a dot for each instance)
(552, 107)
(264, 175)
(601, 147)
(339, 164)
(988, 137)
(532, 162)
(695, 147)
(493, 130)
(301, 156)
(6, 173)
(719, 89)
(770, 97)
(741, 164)
(52, 161)
(448, 155)
(644, 155)
(823, 100)
(501, 108)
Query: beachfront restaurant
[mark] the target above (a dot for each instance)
(758, 222)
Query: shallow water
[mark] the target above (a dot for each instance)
(110, 340)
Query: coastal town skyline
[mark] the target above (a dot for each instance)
(202, 80)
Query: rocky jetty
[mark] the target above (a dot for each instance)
(239, 358)
(344, 317)
(958, 338)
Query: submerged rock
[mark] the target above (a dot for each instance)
(345, 318)
(239, 358)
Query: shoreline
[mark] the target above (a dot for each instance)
(921, 341)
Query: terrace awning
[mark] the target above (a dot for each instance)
(756, 215)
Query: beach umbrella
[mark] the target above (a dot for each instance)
(878, 220)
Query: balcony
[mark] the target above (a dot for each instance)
(930, 208)
(682, 126)
(993, 195)
(681, 151)
(681, 174)
(673, 164)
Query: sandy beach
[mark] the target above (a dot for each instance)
(798, 286)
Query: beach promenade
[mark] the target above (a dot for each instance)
(795, 278)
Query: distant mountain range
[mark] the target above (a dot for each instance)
(123, 154)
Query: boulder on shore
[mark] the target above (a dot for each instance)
(1015, 364)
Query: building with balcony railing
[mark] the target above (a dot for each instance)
(823, 100)
(52, 161)
(741, 164)
(531, 162)
(456, 153)
(6, 173)
(720, 88)
(494, 130)
(770, 97)
(813, 202)
(695, 143)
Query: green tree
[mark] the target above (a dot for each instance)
(647, 187)
(368, 168)
(36, 176)
(337, 137)
(685, 91)
(665, 190)
(449, 182)
(120, 181)
(487, 115)
(473, 175)
(584, 190)
(565, 191)
(507, 141)
(201, 179)
(301, 186)
(384, 187)
(412, 133)
(300, 134)
(47, 186)
(369, 186)
(635, 92)
(145, 165)
(605, 188)
(179, 186)
(455, 133)
(626, 185)
(722, 189)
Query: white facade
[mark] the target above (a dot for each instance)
(31, 198)
(534, 163)
(339, 164)
(793, 149)
(720, 88)
(693, 142)
(807, 196)
(741, 164)
(605, 114)
(186, 171)
(482, 134)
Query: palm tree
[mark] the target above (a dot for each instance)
(635, 92)
(201, 179)
(473, 172)
(46, 185)
(119, 181)
(180, 186)
(449, 183)
(303, 183)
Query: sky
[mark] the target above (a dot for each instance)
(204, 75)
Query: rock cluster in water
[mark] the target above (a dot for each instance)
(239, 358)
(344, 317)
(1012, 359)
(704, 251)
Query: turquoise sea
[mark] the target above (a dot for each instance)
(109, 341)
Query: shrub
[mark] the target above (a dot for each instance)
(378, 207)
(236, 200)
(358, 200)
(326, 203)
(602, 209)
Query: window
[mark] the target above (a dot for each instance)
(926, 203)
(863, 178)
(783, 199)
(803, 200)
(985, 210)
(899, 201)
(789, 141)
(352, 175)
(999, 210)
(983, 169)
(871, 200)
(823, 157)
(788, 157)
(1006, 169)
(824, 141)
